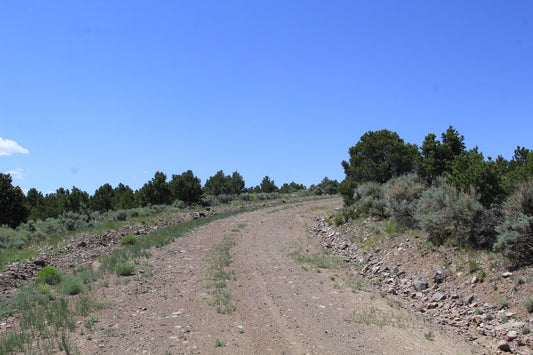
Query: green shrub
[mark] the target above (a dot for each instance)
(121, 215)
(124, 268)
(515, 234)
(129, 240)
(49, 275)
(529, 304)
(484, 232)
(70, 286)
(445, 213)
(401, 197)
(209, 200)
(368, 200)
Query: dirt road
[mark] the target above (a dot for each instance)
(281, 306)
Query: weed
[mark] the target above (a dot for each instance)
(473, 265)
(529, 304)
(124, 268)
(429, 336)
(219, 343)
(49, 275)
(70, 285)
(129, 240)
(503, 303)
(90, 322)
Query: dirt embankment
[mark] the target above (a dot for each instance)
(277, 305)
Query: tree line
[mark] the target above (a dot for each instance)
(17, 208)
(381, 155)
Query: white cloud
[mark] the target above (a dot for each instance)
(8, 147)
(16, 174)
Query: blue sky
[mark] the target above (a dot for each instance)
(95, 92)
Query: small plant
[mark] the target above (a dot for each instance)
(129, 240)
(241, 330)
(479, 311)
(49, 275)
(429, 336)
(219, 343)
(529, 304)
(526, 330)
(490, 317)
(71, 286)
(473, 265)
(124, 268)
(90, 322)
(503, 303)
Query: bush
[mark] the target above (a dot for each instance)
(49, 275)
(515, 234)
(401, 197)
(49, 225)
(368, 200)
(179, 204)
(444, 213)
(484, 233)
(71, 221)
(121, 215)
(129, 240)
(209, 200)
(529, 304)
(124, 268)
(70, 286)
(225, 198)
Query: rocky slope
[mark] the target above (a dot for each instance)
(468, 291)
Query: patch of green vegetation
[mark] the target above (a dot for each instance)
(380, 317)
(528, 304)
(217, 261)
(124, 268)
(70, 285)
(317, 260)
(49, 275)
(129, 240)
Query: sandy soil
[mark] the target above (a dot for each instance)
(281, 306)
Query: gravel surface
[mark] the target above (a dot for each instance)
(281, 306)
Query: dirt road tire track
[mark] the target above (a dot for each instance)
(281, 308)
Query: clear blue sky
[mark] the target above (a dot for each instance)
(95, 92)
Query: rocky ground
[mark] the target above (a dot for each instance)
(277, 305)
(469, 292)
(391, 296)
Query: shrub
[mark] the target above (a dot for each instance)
(209, 200)
(484, 233)
(70, 286)
(124, 268)
(529, 304)
(71, 221)
(179, 204)
(246, 196)
(49, 275)
(129, 240)
(121, 215)
(515, 234)
(444, 213)
(49, 226)
(225, 198)
(401, 197)
(368, 200)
